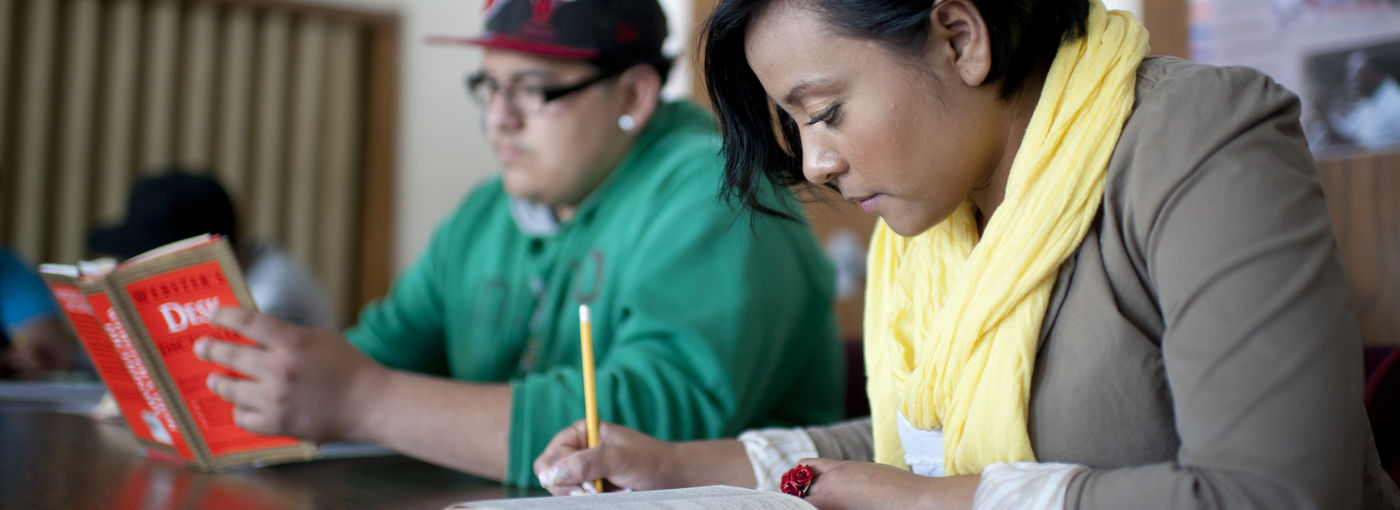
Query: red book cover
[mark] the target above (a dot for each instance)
(175, 307)
(148, 404)
(139, 322)
(118, 364)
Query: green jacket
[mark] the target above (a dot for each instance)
(705, 322)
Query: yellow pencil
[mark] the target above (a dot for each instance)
(590, 392)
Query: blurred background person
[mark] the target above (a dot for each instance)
(33, 338)
(1373, 118)
(178, 204)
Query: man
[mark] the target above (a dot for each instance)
(704, 321)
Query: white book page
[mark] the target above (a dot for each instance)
(172, 248)
(59, 269)
(715, 497)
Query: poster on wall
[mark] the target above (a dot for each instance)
(1342, 58)
(1354, 97)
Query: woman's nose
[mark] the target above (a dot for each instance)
(820, 163)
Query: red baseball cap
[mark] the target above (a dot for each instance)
(620, 32)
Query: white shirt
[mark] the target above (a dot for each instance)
(284, 289)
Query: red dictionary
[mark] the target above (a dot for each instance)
(139, 321)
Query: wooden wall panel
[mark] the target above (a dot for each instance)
(29, 223)
(269, 127)
(1363, 198)
(1166, 21)
(195, 126)
(304, 162)
(377, 194)
(77, 115)
(119, 94)
(161, 40)
(702, 10)
(234, 126)
(7, 27)
(339, 183)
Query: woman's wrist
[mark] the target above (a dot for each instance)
(713, 462)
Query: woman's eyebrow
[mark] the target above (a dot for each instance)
(802, 89)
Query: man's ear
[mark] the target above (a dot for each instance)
(641, 89)
(958, 37)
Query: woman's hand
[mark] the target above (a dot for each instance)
(849, 484)
(627, 459)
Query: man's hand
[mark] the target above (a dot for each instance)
(301, 382)
(40, 347)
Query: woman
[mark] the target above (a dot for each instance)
(1100, 281)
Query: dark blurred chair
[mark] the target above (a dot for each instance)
(857, 405)
(1382, 400)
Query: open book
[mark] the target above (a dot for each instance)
(715, 497)
(138, 322)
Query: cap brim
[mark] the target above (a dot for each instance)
(505, 42)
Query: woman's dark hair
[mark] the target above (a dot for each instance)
(1024, 35)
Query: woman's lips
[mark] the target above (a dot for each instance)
(867, 203)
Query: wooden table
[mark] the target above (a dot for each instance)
(53, 457)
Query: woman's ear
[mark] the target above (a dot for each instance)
(958, 32)
(641, 89)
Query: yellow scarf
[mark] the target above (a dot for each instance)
(952, 322)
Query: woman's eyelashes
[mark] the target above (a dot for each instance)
(828, 115)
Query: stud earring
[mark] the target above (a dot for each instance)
(627, 123)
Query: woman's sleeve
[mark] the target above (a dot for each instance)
(848, 440)
(1260, 346)
(773, 451)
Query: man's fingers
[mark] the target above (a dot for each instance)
(242, 393)
(256, 326)
(244, 359)
(252, 421)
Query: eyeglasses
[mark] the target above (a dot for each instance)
(526, 98)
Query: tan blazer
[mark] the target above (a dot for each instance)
(1199, 350)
